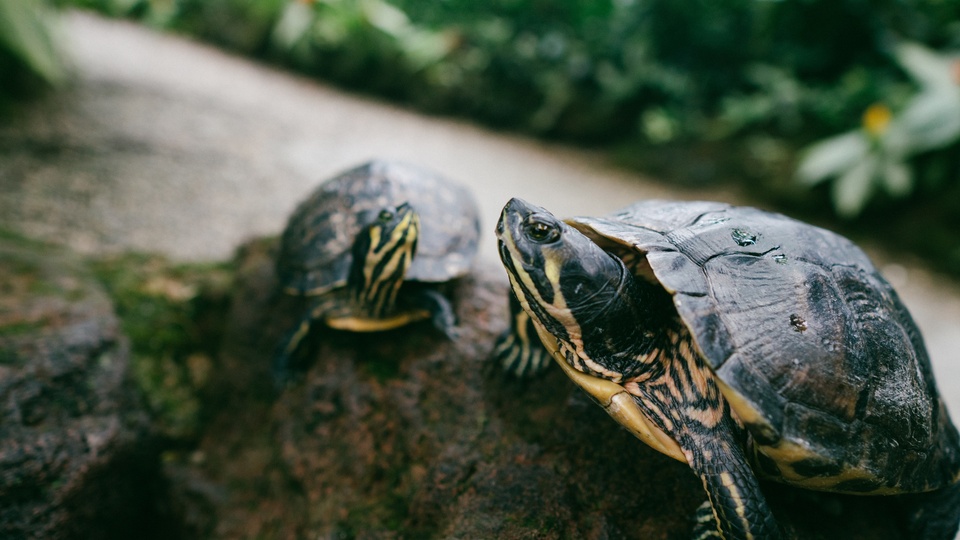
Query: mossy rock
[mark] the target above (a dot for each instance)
(172, 314)
(78, 457)
(407, 434)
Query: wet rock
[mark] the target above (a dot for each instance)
(76, 457)
(406, 434)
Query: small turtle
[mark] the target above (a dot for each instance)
(745, 344)
(369, 248)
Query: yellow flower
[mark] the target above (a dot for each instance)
(876, 119)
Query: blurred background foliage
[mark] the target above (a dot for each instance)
(29, 55)
(842, 110)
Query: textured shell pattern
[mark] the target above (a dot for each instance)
(315, 251)
(798, 321)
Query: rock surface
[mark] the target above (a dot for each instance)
(76, 455)
(406, 434)
(402, 434)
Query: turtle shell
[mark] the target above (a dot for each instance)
(315, 250)
(813, 348)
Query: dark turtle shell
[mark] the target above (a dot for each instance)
(315, 254)
(813, 348)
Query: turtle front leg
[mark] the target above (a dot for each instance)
(739, 509)
(287, 355)
(519, 349)
(692, 411)
(421, 302)
(705, 526)
(284, 357)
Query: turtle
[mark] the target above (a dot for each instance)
(370, 248)
(745, 344)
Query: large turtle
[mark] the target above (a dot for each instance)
(744, 344)
(370, 246)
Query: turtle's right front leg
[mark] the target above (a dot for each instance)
(286, 359)
(519, 349)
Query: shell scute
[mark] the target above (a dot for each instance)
(812, 346)
(315, 253)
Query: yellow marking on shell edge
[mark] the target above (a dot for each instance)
(365, 324)
(744, 410)
(785, 453)
(292, 291)
(616, 401)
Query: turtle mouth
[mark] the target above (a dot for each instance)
(504, 252)
(506, 230)
(510, 216)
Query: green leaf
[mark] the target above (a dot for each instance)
(26, 29)
(832, 157)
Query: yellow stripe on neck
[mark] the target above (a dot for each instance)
(618, 403)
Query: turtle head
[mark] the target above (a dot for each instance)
(572, 289)
(382, 253)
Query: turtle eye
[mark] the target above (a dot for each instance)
(385, 215)
(540, 231)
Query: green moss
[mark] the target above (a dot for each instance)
(21, 327)
(165, 309)
(9, 237)
(33, 275)
(30, 268)
(171, 396)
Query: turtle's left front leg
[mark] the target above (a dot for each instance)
(686, 404)
(738, 507)
(286, 358)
